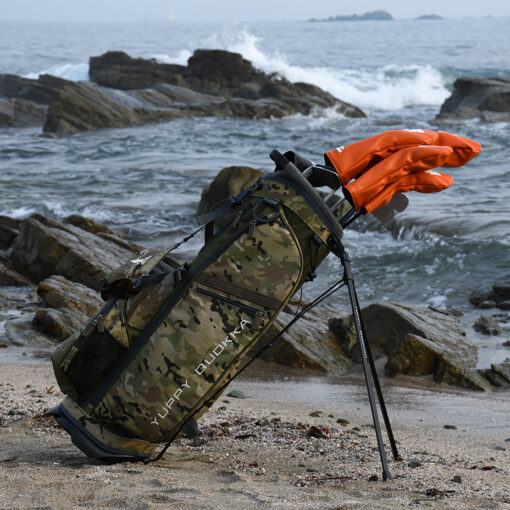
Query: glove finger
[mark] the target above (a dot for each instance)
(464, 149)
(426, 181)
(352, 160)
(393, 168)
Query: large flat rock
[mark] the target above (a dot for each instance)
(46, 247)
(418, 341)
(68, 306)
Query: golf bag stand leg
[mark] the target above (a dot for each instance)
(368, 368)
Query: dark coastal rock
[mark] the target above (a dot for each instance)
(229, 182)
(220, 72)
(11, 278)
(46, 247)
(117, 70)
(502, 289)
(83, 106)
(89, 225)
(60, 293)
(50, 322)
(130, 91)
(39, 247)
(498, 295)
(41, 91)
(308, 344)
(8, 231)
(503, 369)
(499, 374)
(487, 326)
(21, 113)
(495, 378)
(18, 303)
(418, 341)
(486, 98)
(71, 304)
(489, 303)
(480, 296)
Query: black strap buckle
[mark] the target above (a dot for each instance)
(274, 203)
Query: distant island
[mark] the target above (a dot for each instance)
(368, 16)
(429, 16)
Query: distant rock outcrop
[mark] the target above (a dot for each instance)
(429, 17)
(485, 98)
(379, 15)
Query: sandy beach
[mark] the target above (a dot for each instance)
(262, 451)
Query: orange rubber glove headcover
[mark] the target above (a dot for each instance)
(394, 168)
(425, 181)
(353, 160)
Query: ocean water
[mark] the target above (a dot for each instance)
(146, 181)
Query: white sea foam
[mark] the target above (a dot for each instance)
(74, 72)
(181, 58)
(18, 212)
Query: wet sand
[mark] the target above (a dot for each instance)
(260, 452)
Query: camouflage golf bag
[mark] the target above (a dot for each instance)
(169, 339)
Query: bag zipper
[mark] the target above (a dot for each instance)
(159, 318)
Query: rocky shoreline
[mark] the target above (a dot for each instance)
(50, 273)
(124, 91)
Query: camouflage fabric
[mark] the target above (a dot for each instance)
(233, 290)
(203, 336)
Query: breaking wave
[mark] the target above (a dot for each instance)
(73, 72)
(389, 87)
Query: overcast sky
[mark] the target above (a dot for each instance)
(234, 10)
